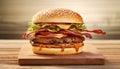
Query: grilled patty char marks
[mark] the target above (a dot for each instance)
(53, 40)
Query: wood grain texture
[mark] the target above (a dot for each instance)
(109, 48)
(89, 55)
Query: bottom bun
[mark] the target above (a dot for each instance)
(56, 51)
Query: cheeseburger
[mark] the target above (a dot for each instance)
(58, 31)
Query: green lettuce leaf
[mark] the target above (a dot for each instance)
(80, 26)
(54, 30)
(33, 27)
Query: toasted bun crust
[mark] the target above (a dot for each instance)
(56, 51)
(57, 15)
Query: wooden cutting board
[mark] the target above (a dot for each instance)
(90, 55)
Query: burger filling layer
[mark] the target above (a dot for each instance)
(58, 35)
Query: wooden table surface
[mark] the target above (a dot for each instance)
(9, 50)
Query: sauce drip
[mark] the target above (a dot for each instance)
(40, 47)
(62, 48)
(77, 46)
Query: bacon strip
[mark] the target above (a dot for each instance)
(26, 35)
(45, 32)
(65, 32)
(87, 35)
(70, 32)
(97, 31)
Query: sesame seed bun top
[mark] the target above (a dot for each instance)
(57, 15)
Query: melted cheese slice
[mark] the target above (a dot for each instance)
(63, 26)
(60, 35)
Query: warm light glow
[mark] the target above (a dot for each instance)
(96, 13)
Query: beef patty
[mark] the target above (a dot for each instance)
(54, 40)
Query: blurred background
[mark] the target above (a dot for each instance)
(97, 14)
